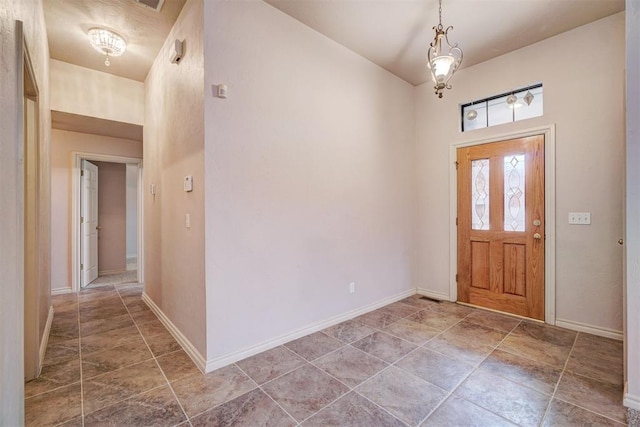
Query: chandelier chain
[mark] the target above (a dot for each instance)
(440, 14)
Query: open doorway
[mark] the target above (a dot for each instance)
(106, 221)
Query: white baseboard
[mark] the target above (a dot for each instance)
(629, 400)
(228, 359)
(433, 294)
(45, 339)
(189, 348)
(590, 329)
(61, 291)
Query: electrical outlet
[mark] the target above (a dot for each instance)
(352, 287)
(580, 218)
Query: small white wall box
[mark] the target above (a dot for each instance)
(178, 52)
(188, 183)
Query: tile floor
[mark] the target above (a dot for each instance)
(415, 362)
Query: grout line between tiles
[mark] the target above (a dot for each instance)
(555, 389)
(267, 394)
(80, 356)
(155, 359)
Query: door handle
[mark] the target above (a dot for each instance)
(537, 236)
(98, 227)
(537, 222)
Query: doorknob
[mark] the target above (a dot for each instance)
(621, 242)
(98, 227)
(537, 236)
(537, 222)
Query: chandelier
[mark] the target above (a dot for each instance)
(107, 43)
(443, 60)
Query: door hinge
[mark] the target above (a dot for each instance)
(457, 164)
(456, 221)
(456, 277)
(81, 266)
(81, 220)
(82, 172)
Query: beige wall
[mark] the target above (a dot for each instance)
(11, 202)
(112, 217)
(64, 144)
(310, 179)
(92, 93)
(173, 149)
(632, 239)
(583, 97)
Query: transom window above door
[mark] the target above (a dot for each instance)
(519, 104)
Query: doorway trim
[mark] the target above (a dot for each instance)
(549, 133)
(75, 211)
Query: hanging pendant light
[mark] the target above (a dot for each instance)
(443, 58)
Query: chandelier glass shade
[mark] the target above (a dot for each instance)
(107, 42)
(443, 59)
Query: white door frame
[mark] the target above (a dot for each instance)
(75, 211)
(549, 133)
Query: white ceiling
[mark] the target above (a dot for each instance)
(395, 34)
(144, 29)
(391, 33)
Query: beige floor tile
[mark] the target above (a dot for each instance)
(304, 391)
(350, 411)
(116, 386)
(199, 393)
(459, 412)
(411, 331)
(350, 365)
(385, 346)
(177, 365)
(597, 396)
(54, 407)
(271, 364)
(564, 414)
(515, 402)
(406, 396)
(254, 408)
(443, 371)
(349, 331)
(313, 346)
(157, 407)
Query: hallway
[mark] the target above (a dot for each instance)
(109, 361)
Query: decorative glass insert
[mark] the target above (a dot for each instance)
(520, 104)
(480, 194)
(514, 188)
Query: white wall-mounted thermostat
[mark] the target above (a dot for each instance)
(188, 183)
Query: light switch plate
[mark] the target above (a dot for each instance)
(188, 183)
(580, 218)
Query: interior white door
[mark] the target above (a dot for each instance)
(89, 222)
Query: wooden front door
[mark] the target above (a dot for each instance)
(501, 226)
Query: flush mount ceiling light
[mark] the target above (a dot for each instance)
(443, 60)
(107, 43)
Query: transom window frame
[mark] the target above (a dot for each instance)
(485, 102)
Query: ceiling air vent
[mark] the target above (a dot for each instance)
(151, 4)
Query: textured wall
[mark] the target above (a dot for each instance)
(92, 93)
(112, 217)
(11, 203)
(63, 144)
(310, 180)
(589, 161)
(173, 149)
(632, 239)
